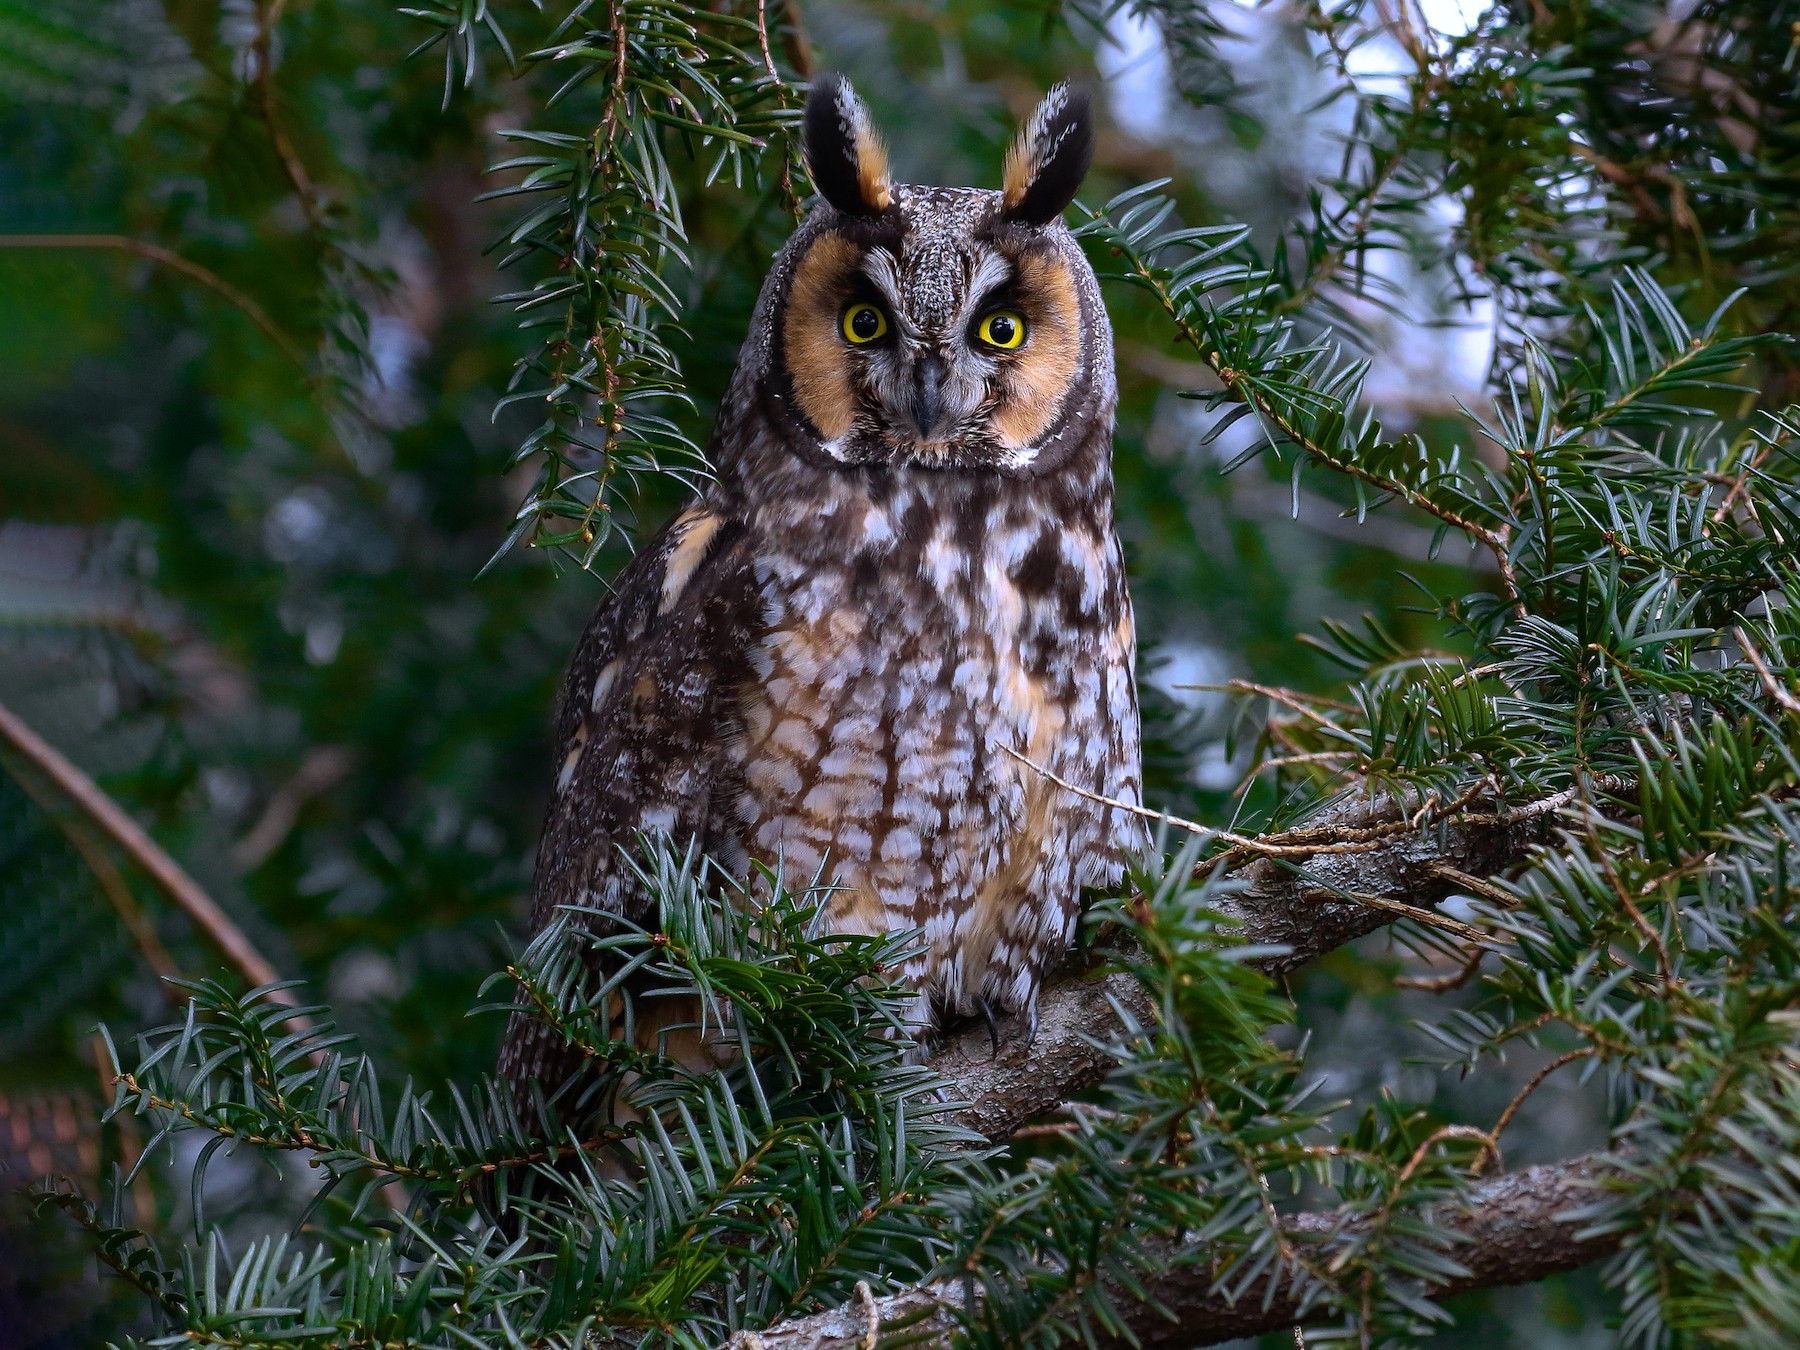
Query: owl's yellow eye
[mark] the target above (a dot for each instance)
(863, 323)
(1004, 328)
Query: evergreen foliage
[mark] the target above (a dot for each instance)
(1597, 651)
(815, 1157)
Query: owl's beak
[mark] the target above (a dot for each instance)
(928, 396)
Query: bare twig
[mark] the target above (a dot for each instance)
(762, 39)
(1299, 843)
(1744, 475)
(1783, 697)
(125, 832)
(1130, 808)
(156, 253)
(1524, 1095)
(1401, 910)
(268, 16)
(322, 769)
(1439, 984)
(1476, 886)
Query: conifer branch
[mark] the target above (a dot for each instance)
(1516, 1228)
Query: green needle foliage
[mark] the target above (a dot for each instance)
(1633, 667)
(313, 700)
(600, 227)
(696, 1202)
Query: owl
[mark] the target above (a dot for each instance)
(900, 611)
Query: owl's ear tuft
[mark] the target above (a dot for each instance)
(1050, 157)
(844, 152)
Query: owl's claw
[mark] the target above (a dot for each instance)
(993, 1025)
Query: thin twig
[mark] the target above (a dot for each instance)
(112, 819)
(1440, 984)
(1305, 704)
(1306, 757)
(1474, 885)
(1343, 841)
(1430, 918)
(1263, 849)
(1131, 808)
(1771, 686)
(762, 40)
(1512, 1107)
(156, 253)
(1057, 1129)
(1399, 23)
(1309, 842)
(267, 17)
(322, 768)
(1743, 477)
(1664, 965)
(796, 207)
(1737, 487)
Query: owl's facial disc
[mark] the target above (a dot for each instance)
(942, 348)
(942, 327)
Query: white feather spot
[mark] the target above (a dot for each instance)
(603, 682)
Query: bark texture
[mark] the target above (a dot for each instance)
(1515, 1229)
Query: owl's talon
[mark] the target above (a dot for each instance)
(993, 1024)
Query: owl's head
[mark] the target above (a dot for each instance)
(952, 328)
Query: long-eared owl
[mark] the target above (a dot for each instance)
(905, 569)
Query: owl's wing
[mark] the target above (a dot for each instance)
(647, 714)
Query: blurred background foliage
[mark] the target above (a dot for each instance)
(251, 466)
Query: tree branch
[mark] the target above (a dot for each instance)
(1310, 906)
(156, 253)
(1373, 854)
(1514, 1229)
(168, 874)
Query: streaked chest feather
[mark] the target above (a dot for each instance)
(908, 649)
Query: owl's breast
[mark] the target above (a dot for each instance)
(913, 658)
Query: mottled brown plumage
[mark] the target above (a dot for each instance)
(906, 568)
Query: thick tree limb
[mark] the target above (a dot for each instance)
(1515, 1229)
(1307, 905)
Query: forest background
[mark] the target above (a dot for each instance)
(288, 570)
